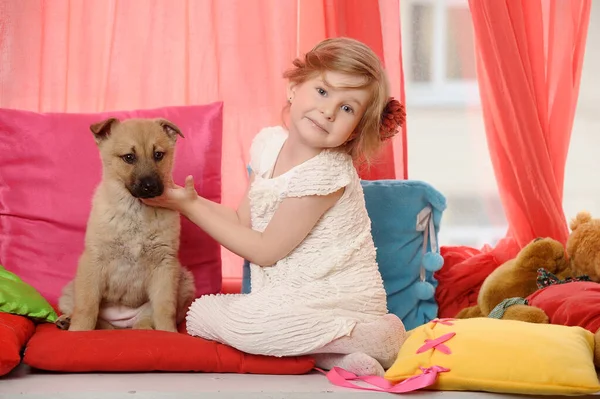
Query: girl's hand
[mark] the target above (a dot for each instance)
(176, 197)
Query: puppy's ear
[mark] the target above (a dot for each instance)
(170, 128)
(101, 129)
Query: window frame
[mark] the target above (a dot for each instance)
(441, 91)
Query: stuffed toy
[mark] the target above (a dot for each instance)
(583, 246)
(576, 301)
(503, 293)
(543, 285)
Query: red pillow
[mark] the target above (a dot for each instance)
(50, 166)
(14, 332)
(570, 304)
(147, 350)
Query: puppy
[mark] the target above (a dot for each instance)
(129, 274)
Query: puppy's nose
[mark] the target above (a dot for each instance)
(148, 185)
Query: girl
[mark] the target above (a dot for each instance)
(303, 225)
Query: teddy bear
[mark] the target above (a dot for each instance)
(583, 246)
(577, 303)
(503, 291)
(556, 284)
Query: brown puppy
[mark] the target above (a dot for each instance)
(130, 260)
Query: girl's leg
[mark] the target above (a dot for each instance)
(380, 340)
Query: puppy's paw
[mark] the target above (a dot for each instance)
(63, 322)
(78, 327)
(82, 324)
(165, 321)
(143, 324)
(166, 326)
(104, 325)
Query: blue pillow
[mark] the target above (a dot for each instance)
(405, 220)
(246, 277)
(246, 267)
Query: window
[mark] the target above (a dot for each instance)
(447, 147)
(438, 50)
(582, 184)
(473, 220)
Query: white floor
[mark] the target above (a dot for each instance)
(24, 383)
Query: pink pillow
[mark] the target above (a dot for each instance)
(49, 168)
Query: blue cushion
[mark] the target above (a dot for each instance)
(246, 267)
(399, 211)
(246, 278)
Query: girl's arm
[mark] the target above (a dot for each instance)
(291, 223)
(177, 197)
(240, 216)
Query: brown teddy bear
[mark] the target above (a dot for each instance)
(516, 279)
(577, 303)
(583, 246)
(564, 300)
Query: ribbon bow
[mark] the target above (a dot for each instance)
(425, 224)
(342, 378)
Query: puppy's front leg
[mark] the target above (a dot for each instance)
(87, 295)
(163, 295)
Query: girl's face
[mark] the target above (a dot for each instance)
(323, 113)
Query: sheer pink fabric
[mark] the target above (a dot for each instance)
(104, 55)
(530, 55)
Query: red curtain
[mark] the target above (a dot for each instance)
(529, 59)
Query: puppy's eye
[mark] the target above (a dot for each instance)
(129, 158)
(158, 155)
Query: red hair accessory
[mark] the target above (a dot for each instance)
(392, 119)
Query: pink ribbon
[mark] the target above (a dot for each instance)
(341, 378)
(444, 321)
(437, 343)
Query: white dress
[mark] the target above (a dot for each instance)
(325, 286)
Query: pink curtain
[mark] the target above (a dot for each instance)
(99, 55)
(529, 59)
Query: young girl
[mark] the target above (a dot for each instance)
(303, 225)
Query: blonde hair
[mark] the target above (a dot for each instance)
(349, 56)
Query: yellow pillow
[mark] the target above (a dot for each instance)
(485, 354)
